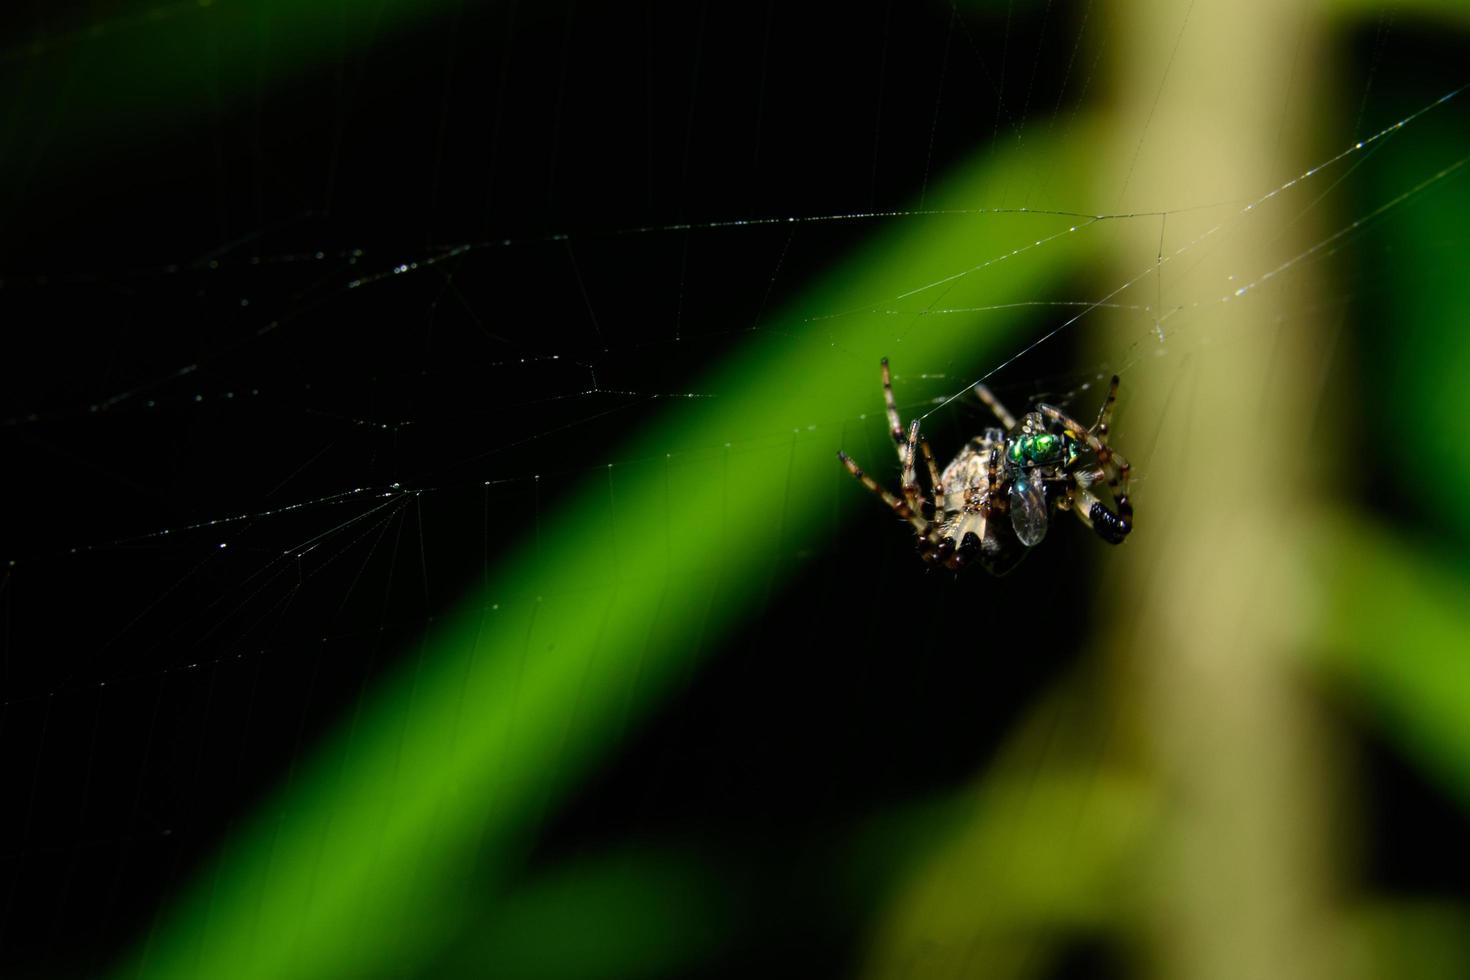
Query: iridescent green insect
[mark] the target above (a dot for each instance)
(1022, 472)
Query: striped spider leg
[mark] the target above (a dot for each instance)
(914, 507)
(988, 399)
(905, 446)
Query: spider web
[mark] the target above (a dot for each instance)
(306, 361)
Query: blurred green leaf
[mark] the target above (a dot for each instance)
(110, 73)
(1419, 344)
(1039, 851)
(1426, 940)
(1042, 855)
(633, 913)
(1455, 12)
(1396, 630)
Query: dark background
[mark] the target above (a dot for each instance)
(184, 345)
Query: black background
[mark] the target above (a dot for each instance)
(177, 353)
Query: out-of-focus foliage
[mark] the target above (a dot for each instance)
(1411, 939)
(141, 64)
(1397, 632)
(1417, 397)
(639, 913)
(1413, 11)
(1054, 837)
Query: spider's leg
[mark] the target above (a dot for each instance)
(913, 494)
(992, 478)
(934, 470)
(1077, 429)
(1111, 527)
(1007, 420)
(895, 423)
(1118, 474)
(1105, 414)
(897, 506)
(935, 486)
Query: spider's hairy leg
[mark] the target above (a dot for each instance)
(936, 485)
(913, 494)
(992, 477)
(895, 423)
(1118, 484)
(1007, 420)
(897, 506)
(1105, 414)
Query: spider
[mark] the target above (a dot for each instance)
(1047, 461)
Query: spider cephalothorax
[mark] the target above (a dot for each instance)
(994, 500)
